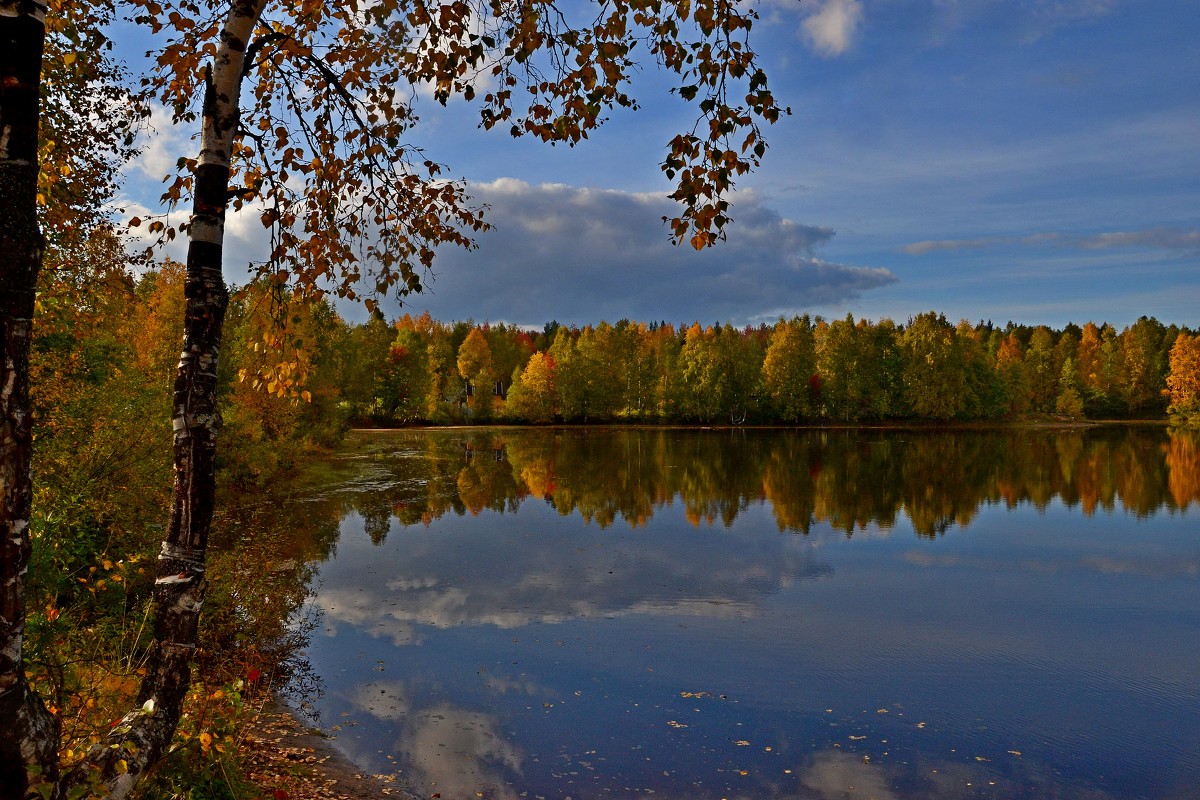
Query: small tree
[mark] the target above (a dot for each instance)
(475, 367)
(534, 393)
(1183, 381)
(787, 366)
(1069, 402)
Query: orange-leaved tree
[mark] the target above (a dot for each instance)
(303, 108)
(1183, 381)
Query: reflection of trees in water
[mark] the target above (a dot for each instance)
(847, 479)
(262, 563)
(1183, 464)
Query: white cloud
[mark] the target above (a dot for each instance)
(1158, 238)
(162, 143)
(830, 29)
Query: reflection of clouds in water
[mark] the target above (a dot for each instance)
(510, 578)
(386, 700)
(839, 775)
(830, 775)
(510, 581)
(500, 685)
(362, 610)
(458, 753)
(1149, 566)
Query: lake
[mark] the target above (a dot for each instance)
(614, 613)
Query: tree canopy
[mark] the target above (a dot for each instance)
(302, 112)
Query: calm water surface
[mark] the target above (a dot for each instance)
(764, 614)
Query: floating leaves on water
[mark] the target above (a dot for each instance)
(857, 738)
(1014, 752)
(920, 724)
(695, 694)
(981, 758)
(675, 724)
(742, 743)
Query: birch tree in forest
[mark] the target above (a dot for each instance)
(302, 110)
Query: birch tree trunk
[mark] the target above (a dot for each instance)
(144, 734)
(28, 733)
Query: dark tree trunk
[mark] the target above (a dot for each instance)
(28, 732)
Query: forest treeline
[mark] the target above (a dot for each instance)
(802, 370)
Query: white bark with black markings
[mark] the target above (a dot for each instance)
(145, 733)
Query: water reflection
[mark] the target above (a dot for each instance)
(698, 614)
(847, 480)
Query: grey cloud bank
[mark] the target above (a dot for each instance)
(581, 255)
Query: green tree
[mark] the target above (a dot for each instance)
(788, 365)
(885, 367)
(1144, 370)
(596, 370)
(635, 344)
(985, 396)
(405, 386)
(1069, 402)
(475, 367)
(1010, 371)
(445, 388)
(843, 377)
(934, 383)
(569, 378)
(363, 354)
(1040, 373)
(666, 346)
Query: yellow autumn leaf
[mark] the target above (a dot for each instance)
(205, 741)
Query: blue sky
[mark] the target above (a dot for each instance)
(1025, 160)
